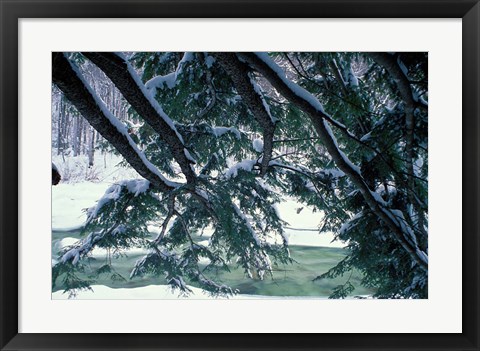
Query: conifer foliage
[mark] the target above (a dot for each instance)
(222, 137)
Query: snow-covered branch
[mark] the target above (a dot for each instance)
(314, 109)
(399, 73)
(170, 80)
(122, 74)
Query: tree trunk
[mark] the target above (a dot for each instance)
(61, 113)
(91, 147)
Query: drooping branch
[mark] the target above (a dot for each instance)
(132, 88)
(69, 80)
(239, 73)
(405, 91)
(312, 107)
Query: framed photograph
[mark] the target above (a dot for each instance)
(237, 175)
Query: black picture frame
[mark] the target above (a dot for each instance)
(12, 11)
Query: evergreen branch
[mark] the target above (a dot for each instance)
(239, 73)
(352, 136)
(318, 117)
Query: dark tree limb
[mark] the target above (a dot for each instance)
(239, 73)
(318, 118)
(56, 177)
(75, 90)
(117, 69)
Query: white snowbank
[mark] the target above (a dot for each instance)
(157, 292)
(69, 201)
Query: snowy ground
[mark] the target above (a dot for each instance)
(71, 198)
(154, 292)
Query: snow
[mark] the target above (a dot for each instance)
(398, 217)
(258, 145)
(106, 168)
(74, 194)
(402, 67)
(419, 162)
(264, 185)
(112, 194)
(350, 223)
(202, 193)
(246, 165)
(423, 256)
(71, 253)
(390, 188)
(69, 201)
(189, 156)
(408, 233)
(136, 186)
(209, 60)
(378, 198)
(306, 219)
(249, 226)
(162, 292)
(366, 136)
(345, 158)
(353, 80)
(160, 82)
(423, 101)
(334, 172)
(169, 80)
(259, 92)
(187, 57)
(219, 131)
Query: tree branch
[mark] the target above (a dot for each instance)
(312, 107)
(126, 80)
(67, 78)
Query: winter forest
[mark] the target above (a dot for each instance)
(239, 175)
